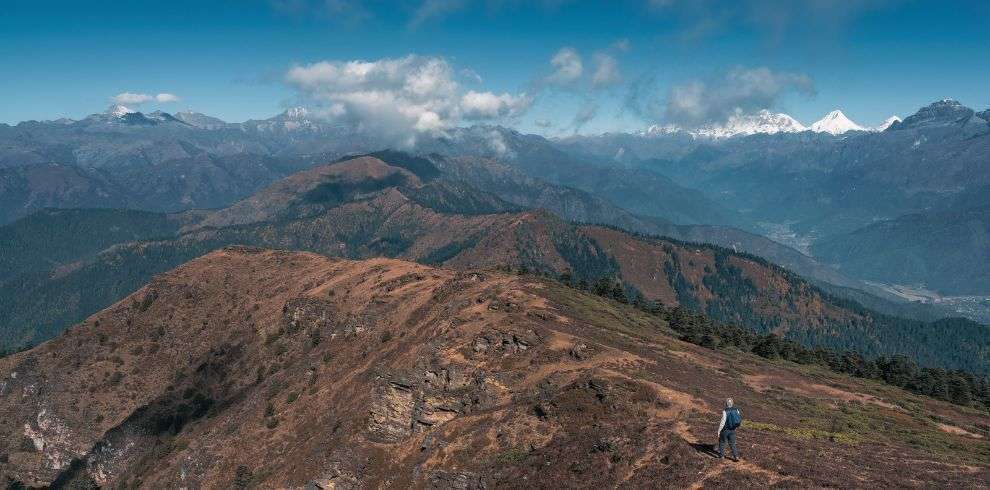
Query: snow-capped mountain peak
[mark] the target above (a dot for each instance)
(661, 129)
(739, 124)
(887, 123)
(764, 122)
(118, 110)
(835, 122)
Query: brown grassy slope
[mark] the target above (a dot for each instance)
(278, 197)
(275, 369)
(641, 263)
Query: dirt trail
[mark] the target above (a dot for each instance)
(959, 431)
(762, 383)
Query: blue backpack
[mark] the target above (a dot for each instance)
(733, 419)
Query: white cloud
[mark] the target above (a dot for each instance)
(543, 123)
(486, 105)
(130, 98)
(570, 73)
(398, 97)
(738, 91)
(606, 71)
(497, 143)
(567, 65)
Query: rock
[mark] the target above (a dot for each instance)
(456, 481)
(391, 414)
(308, 313)
(580, 352)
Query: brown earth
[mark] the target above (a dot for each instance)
(259, 368)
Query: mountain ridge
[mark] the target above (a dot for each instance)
(444, 224)
(271, 368)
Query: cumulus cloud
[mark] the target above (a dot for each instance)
(567, 67)
(569, 72)
(486, 105)
(130, 98)
(410, 93)
(738, 91)
(398, 97)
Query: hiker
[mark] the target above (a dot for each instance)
(731, 420)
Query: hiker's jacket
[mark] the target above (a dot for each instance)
(725, 415)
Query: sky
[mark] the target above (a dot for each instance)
(554, 67)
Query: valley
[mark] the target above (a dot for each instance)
(975, 307)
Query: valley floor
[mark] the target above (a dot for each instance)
(974, 307)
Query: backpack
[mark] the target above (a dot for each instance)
(733, 418)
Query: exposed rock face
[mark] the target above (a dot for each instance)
(942, 112)
(254, 368)
(391, 415)
(309, 314)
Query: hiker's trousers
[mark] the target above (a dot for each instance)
(727, 435)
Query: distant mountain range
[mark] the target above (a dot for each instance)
(67, 265)
(766, 122)
(804, 187)
(759, 174)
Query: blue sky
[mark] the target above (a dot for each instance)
(232, 59)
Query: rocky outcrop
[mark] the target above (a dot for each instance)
(391, 414)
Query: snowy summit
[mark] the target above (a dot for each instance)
(118, 110)
(835, 122)
(887, 123)
(763, 122)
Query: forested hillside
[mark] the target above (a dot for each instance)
(367, 208)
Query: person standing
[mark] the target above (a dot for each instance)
(731, 420)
